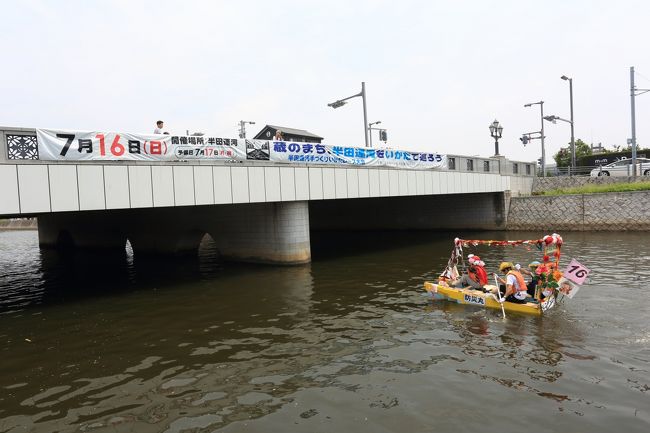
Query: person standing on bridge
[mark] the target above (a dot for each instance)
(159, 128)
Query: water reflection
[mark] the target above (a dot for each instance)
(345, 343)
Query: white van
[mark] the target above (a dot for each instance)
(623, 167)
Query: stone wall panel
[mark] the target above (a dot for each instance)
(620, 211)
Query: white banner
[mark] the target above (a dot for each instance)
(59, 145)
(314, 153)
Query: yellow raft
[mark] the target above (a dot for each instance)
(479, 298)
(549, 245)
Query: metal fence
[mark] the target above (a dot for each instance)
(642, 169)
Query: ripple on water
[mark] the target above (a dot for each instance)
(345, 344)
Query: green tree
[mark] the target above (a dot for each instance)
(563, 157)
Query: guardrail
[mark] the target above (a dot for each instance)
(501, 165)
(457, 163)
(643, 169)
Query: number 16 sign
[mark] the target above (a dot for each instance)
(576, 272)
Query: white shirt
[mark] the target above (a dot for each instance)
(158, 131)
(511, 279)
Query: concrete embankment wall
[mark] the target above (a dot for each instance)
(616, 211)
(541, 184)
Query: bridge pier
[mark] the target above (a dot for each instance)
(274, 233)
(87, 230)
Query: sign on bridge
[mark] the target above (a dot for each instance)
(59, 145)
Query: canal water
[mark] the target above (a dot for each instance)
(348, 343)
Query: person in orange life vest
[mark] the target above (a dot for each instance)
(480, 268)
(534, 278)
(515, 285)
(471, 279)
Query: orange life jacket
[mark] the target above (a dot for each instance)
(520, 281)
(482, 275)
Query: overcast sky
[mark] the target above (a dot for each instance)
(437, 73)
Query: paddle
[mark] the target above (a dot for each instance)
(496, 282)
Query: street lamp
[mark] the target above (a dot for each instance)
(342, 102)
(242, 127)
(370, 129)
(496, 132)
(541, 133)
(554, 119)
(573, 142)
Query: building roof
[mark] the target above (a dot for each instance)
(292, 131)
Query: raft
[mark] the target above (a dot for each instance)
(549, 246)
(478, 298)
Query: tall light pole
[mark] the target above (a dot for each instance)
(633, 93)
(496, 131)
(242, 127)
(573, 142)
(553, 119)
(370, 129)
(541, 109)
(342, 102)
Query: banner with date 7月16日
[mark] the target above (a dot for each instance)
(66, 145)
(62, 145)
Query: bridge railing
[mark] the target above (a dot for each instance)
(501, 165)
(642, 169)
(456, 163)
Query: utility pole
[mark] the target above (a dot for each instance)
(573, 138)
(633, 93)
(541, 107)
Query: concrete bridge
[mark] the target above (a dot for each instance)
(255, 211)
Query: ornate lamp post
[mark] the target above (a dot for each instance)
(496, 131)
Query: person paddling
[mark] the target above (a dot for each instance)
(515, 285)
